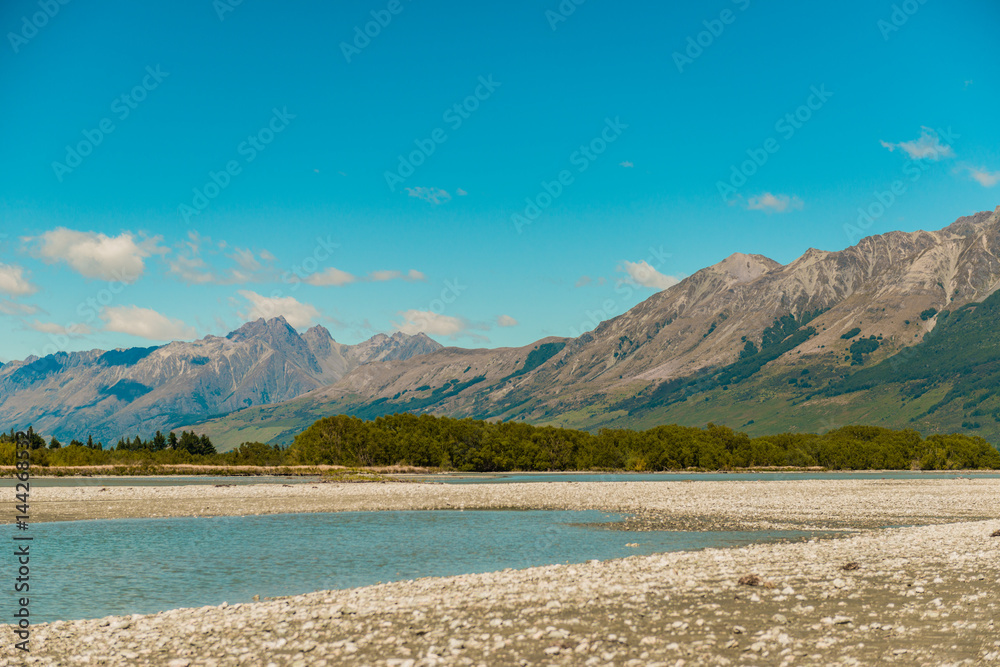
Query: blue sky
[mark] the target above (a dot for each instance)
(487, 173)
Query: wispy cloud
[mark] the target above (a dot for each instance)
(410, 276)
(627, 164)
(583, 281)
(8, 307)
(506, 321)
(73, 331)
(927, 147)
(770, 203)
(984, 177)
(333, 277)
(145, 323)
(433, 195)
(643, 274)
(245, 266)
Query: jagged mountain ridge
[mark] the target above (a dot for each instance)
(880, 285)
(137, 391)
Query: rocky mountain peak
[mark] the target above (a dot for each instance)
(973, 225)
(318, 333)
(743, 268)
(275, 329)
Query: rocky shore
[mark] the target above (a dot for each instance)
(914, 595)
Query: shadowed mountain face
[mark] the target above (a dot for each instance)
(141, 390)
(722, 335)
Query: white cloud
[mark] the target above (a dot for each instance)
(985, 178)
(13, 282)
(582, 281)
(432, 195)
(330, 277)
(73, 330)
(627, 164)
(145, 323)
(425, 321)
(460, 192)
(95, 255)
(298, 314)
(770, 203)
(645, 275)
(506, 321)
(927, 147)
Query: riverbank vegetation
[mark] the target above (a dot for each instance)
(470, 445)
(481, 446)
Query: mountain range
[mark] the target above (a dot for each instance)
(111, 394)
(897, 330)
(747, 342)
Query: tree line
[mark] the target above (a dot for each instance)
(487, 446)
(160, 448)
(484, 446)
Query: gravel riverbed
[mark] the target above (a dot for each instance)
(925, 594)
(682, 505)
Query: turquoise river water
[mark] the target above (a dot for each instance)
(91, 569)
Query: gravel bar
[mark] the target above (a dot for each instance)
(912, 595)
(735, 505)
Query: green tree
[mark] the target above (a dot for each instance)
(159, 442)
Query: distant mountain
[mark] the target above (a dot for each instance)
(747, 342)
(117, 393)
